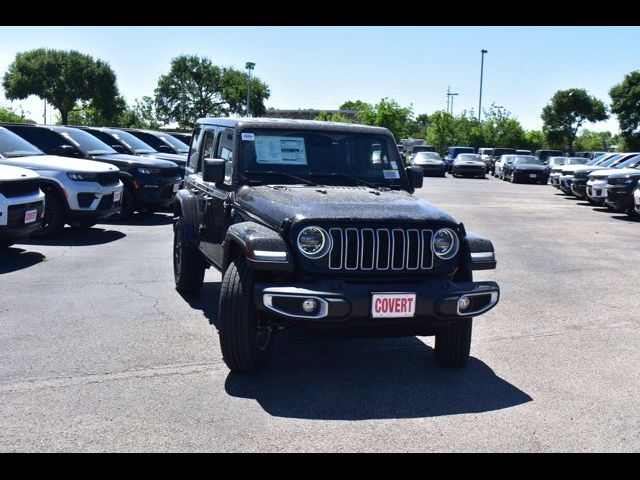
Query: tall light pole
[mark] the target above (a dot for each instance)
(450, 95)
(483, 51)
(249, 66)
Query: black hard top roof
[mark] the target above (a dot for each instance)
(287, 123)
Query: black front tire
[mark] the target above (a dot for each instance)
(453, 345)
(245, 341)
(188, 264)
(53, 218)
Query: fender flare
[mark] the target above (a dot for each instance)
(186, 207)
(263, 248)
(480, 252)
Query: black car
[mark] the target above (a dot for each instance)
(525, 168)
(315, 225)
(124, 142)
(182, 136)
(149, 184)
(161, 141)
(430, 163)
(620, 187)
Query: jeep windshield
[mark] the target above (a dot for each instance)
(132, 142)
(87, 143)
(12, 145)
(324, 158)
(173, 142)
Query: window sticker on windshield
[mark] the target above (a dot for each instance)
(249, 137)
(280, 150)
(391, 174)
(394, 165)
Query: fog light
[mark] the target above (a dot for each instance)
(309, 305)
(463, 303)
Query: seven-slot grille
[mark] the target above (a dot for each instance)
(107, 178)
(19, 188)
(171, 172)
(380, 249)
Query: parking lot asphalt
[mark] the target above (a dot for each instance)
(98, 352)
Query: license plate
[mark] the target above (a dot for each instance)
(532, 175)
(30, 216)
(176, 187)
(393, 305)
(117, 196)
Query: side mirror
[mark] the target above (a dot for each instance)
(213, 170)
(165, 149)
(416, 176)
(119, 148)
(66, 150)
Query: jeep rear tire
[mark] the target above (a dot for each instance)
(245, 341)
(188, 264)
(453, 345)
(53, 218)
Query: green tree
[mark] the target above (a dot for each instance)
(195, 88)
(567, 111)
(625, 104)
(590, 141)
(502, 130)
(332, 117)
(8, 114)
(417, 128)
(67, 79)
(386, 113)
(533, 140)
(441, 132)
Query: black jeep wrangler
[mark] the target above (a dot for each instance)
(315, 224)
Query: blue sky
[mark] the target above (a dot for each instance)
(320, 67)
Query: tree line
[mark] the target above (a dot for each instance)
(84, 92)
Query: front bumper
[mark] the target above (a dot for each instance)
(565, 183)
(350, 304)
(618, 197)
(636, 200)
(596, 190)
(554, 179)
(579, 188)
(465, 170)
(526, 176)
(156, 192)
(432, 169)
(12, 215)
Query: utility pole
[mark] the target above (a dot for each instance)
(483, 51)
(450, 96)
(249, 66)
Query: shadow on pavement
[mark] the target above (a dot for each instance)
(205, 300)
(338, 379)
(14, 259)
(142, 219)
(626, 218)
(72, 237)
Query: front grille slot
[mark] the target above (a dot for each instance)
(19, 188)
(170, 172)
(368, 249)
(108, 178)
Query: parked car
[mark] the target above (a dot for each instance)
(149, 184)
(597, 183)
(620, 189)
(636, 200)
(161, 141)
(542, 155)
(525, 168)
(453, 153)
(499, 165)
(124, 142)
(430, 163)
(557, 163)
(468, 165)
(497, 153)
(21, 204)
(485, 155)
(315, 225)
(580, 175)
(568, 171)
(523, 152)
(184, 137)
(415, 149)
(78, 192)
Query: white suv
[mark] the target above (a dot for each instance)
(21, 204)
(78, 192)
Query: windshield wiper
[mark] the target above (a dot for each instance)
(349, 177)
(283, 174)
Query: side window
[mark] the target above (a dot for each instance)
(149, 139)
(208, 147)
(225, 152)
(108, 139)
(194, 150)
(44, 139)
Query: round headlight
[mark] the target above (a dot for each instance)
(313, 242)
(445, 243)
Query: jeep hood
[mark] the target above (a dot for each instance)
(124, 159)
(327, 204)
(611, 171)
(54, 163)
(11, 173)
